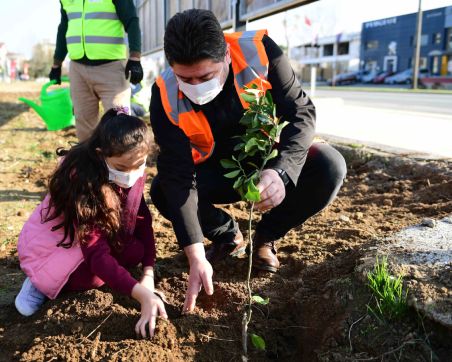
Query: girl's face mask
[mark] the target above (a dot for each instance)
(125, 179)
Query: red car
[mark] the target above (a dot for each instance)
(380, 77)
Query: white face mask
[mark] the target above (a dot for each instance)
(202, 93)
(125, 179)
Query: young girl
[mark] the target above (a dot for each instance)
(94, 222)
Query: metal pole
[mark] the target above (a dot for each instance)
(417, 48)
(237, 25)
(313, 79)
(335, 49)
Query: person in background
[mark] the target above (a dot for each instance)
(93, 33)
(139, 102)
(94, 223)
(195, 112)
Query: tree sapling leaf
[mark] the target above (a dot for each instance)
(258, 299)
(258, 341)
(232, 174)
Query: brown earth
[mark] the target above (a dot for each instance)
(317, 308)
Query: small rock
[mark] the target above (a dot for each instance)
(344, 218)
(428, 222)
(359, 215)
(333, 343)
(76, 327)
(49, 312)
(387, 202)
(2, 247)
(306, 236)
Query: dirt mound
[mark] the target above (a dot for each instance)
(315, 299)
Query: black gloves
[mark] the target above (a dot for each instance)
(55, 74)
(136, 71)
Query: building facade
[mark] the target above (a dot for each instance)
(332, 54)
(388, 44)
(154, 14)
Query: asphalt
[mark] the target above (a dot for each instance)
(416, 123)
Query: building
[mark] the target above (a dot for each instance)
(232, 14)
(3, 61)
(332, 54)
(388, 44)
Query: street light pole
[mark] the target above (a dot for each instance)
(417, 48)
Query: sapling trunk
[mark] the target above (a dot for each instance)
(262, 133)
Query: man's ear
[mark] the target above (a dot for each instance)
(99, 152)
(228, 53)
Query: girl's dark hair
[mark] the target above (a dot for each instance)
(194, 35)
(79, 188)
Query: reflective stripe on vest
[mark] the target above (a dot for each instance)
(94, 30)
(249, 65)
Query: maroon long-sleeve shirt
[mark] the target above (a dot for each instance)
(110, 265)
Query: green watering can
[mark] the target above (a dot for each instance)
(56, 106)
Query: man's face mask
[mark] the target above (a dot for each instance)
(125, 179)
(202, 93)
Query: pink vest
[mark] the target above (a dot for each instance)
(49, 266)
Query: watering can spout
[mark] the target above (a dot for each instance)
(33, 105)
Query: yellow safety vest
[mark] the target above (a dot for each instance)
(94, 30)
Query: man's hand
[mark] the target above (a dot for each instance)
(55, 74)
(135, 70)
(272, 190)
(200, 275)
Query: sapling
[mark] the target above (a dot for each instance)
(256, 147)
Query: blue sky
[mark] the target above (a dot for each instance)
(26, 22)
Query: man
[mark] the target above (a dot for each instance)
(93, 33)
(195, 112)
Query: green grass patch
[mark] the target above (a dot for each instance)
(390, 299)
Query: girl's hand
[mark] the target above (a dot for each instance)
(151, 307)
(147, 280)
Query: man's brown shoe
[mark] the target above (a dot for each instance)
(264, 254)
(219, 251)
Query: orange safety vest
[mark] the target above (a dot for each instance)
(250, 66)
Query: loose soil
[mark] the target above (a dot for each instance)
(317, 308)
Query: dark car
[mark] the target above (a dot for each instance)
(345, 78)
(380, 77)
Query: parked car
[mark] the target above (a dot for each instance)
(369, 76)
(345, 78)
(380, 77)
(405, 77)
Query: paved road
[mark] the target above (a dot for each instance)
(413, 102)
(413, 122)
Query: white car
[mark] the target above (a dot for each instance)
(405, 77)
(369, 77)
(399, 78)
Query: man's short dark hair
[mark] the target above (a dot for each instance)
(194, 35)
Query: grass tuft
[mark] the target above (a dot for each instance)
(390, 299)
